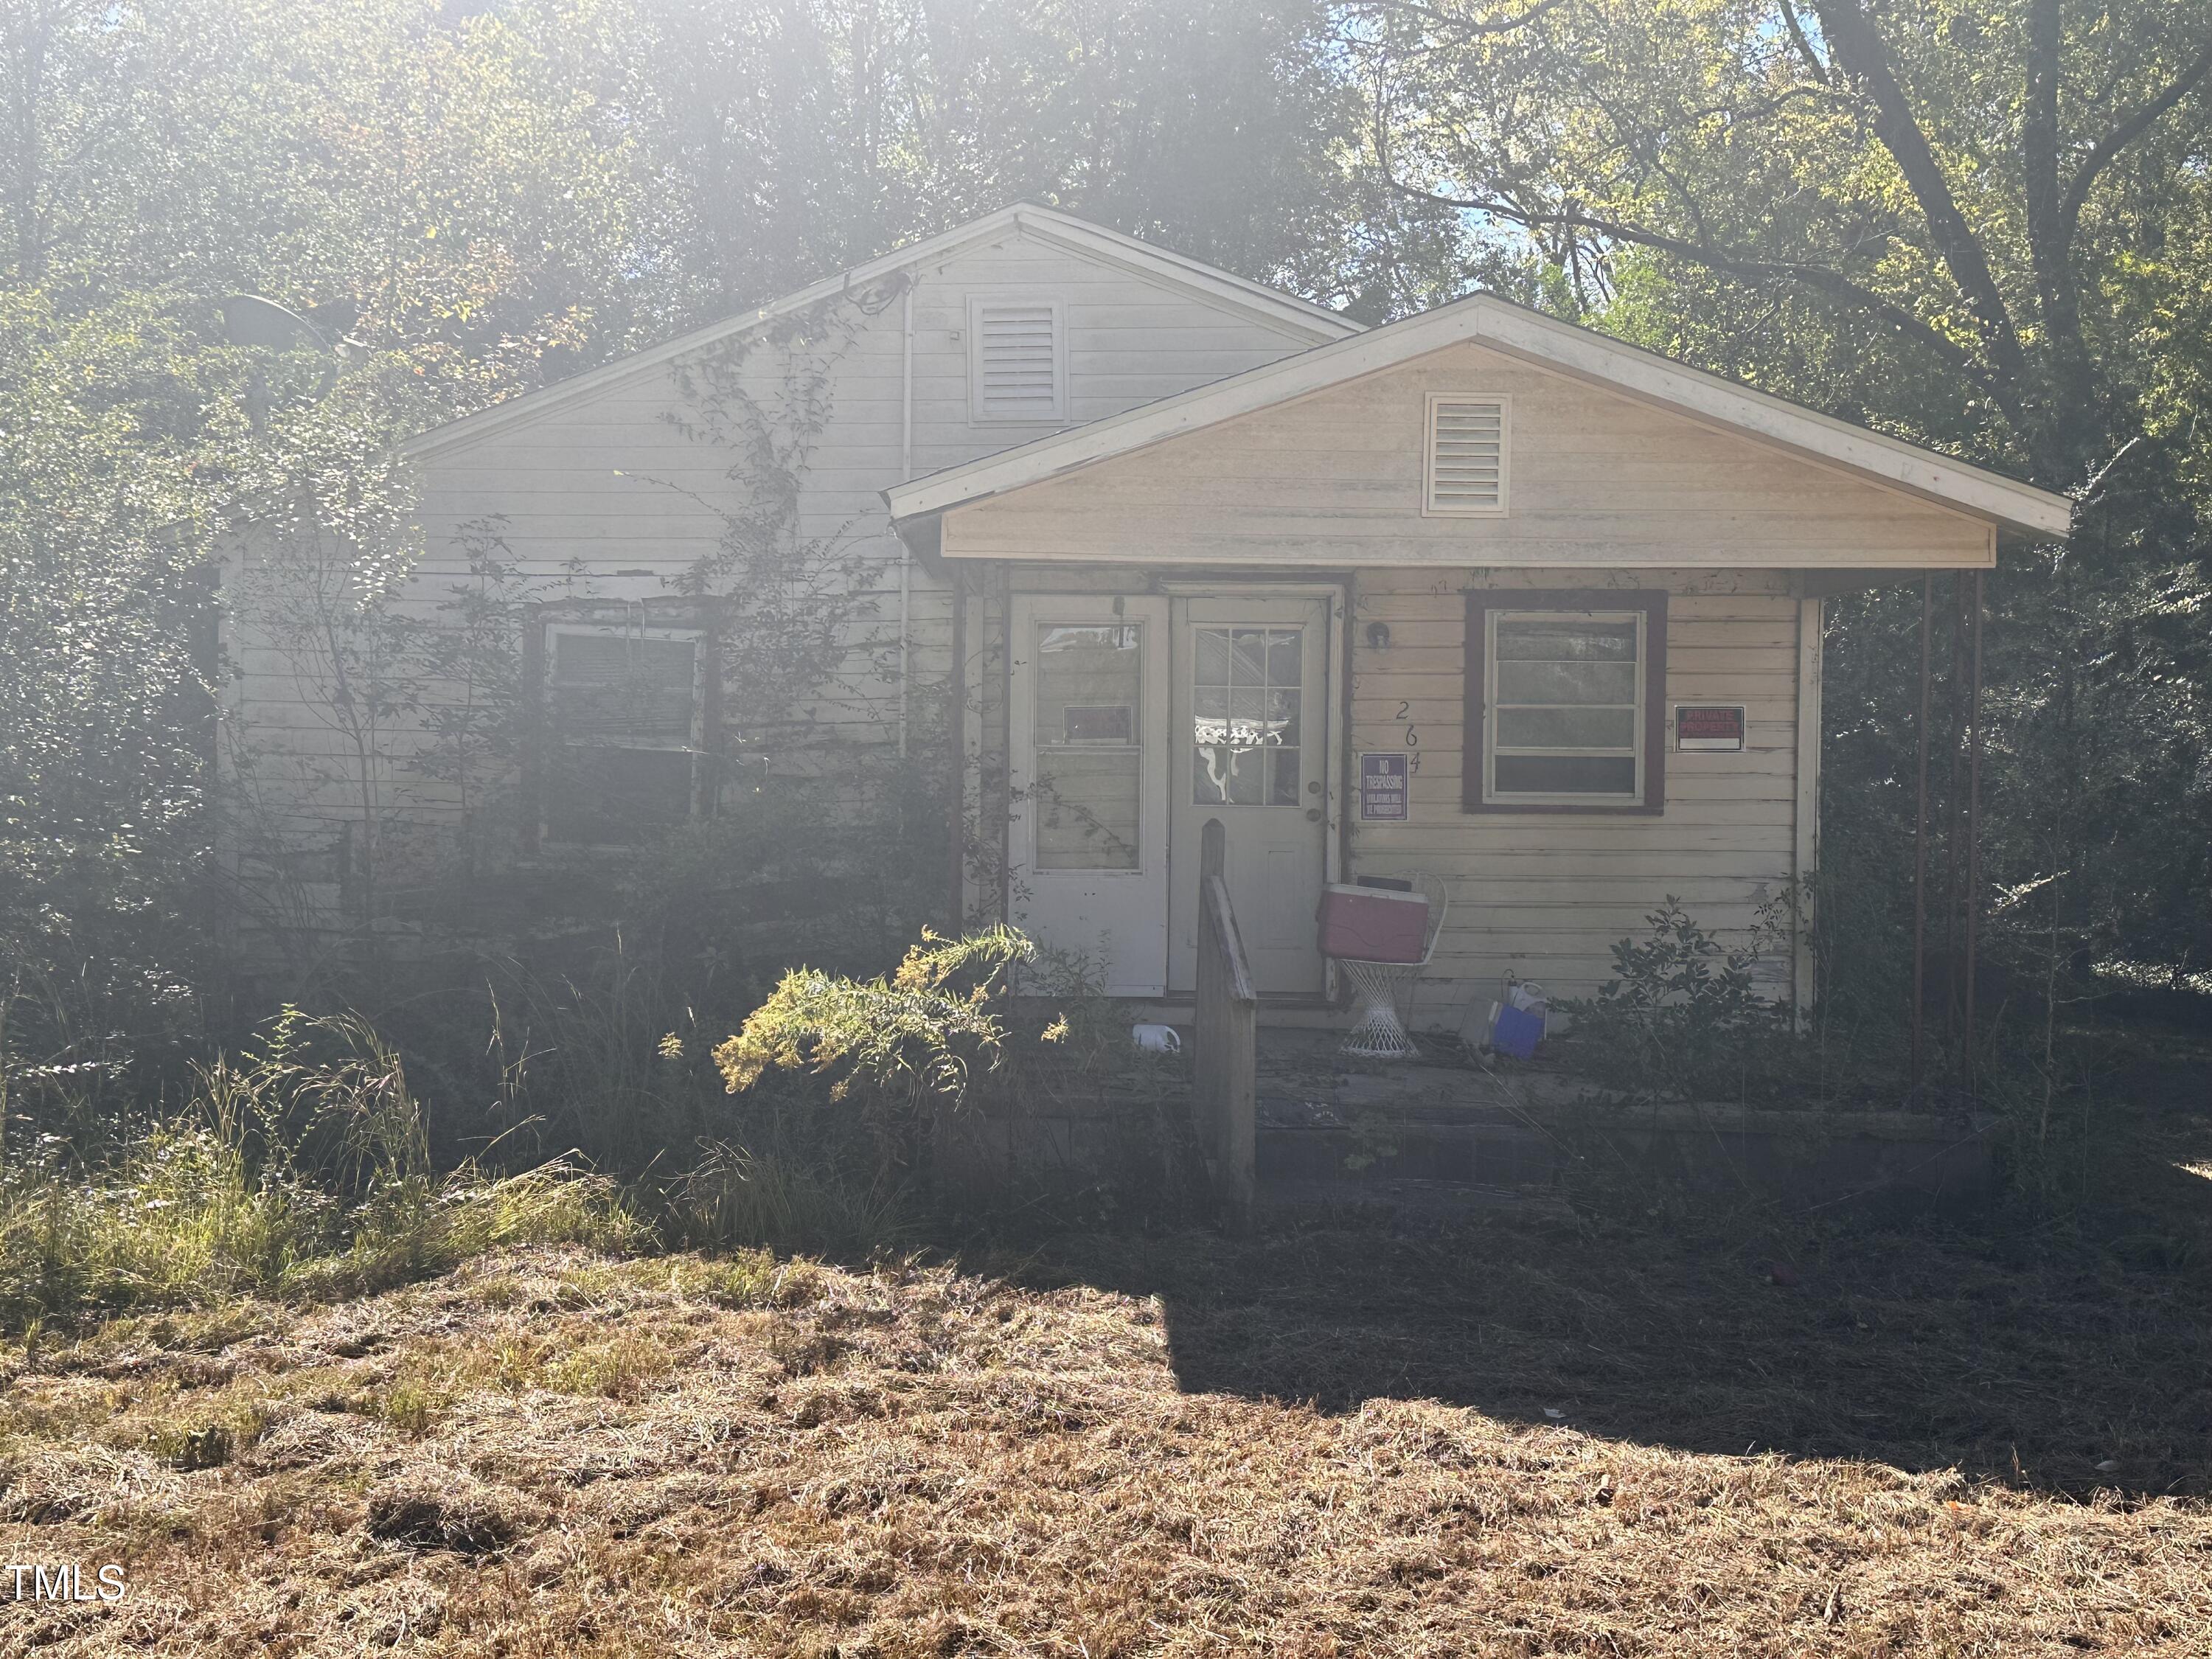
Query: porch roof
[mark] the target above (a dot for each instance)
(2005, 503)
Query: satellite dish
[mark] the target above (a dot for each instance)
(250, 321)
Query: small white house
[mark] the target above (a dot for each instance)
(1477, 597)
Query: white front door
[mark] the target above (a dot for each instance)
(1087, 843)
(1250, 747)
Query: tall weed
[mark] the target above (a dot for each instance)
(302, 1169)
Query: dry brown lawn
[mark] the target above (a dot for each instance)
(552, 1453)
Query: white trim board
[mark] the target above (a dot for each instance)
(1499, 324)
(1317, 323)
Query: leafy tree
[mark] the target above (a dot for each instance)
(103, 711)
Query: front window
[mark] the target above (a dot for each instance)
(1565, 694)
(623, 709)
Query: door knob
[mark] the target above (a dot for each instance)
(1313, 815)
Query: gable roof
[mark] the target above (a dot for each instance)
(1049, 225)
(1516, 330)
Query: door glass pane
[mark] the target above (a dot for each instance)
(1088, 789)
(1222, 774)
(1245, 698)
(1248, 654)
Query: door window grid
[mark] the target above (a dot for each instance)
(1246, 684)
(1565, 696)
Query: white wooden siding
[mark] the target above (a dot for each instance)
(1544, 896)
(607, 496)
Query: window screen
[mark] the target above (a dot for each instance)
(622, 710)
(1561, 701)
(1563, 707)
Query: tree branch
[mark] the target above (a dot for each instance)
(1465, 27)
(2103, 152)
(1820, 277)
(1804, 46)
(2038, 144)
(1859, 50)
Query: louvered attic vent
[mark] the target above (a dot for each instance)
(1466, 459)
(1017, 360)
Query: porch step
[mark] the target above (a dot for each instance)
(1298, 1144)
(1284, 1199)
(1285, 1014)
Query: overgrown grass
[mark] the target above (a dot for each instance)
(301, 1170)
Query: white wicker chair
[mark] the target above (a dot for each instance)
(1378, 1027)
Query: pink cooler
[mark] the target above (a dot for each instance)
(1372, 924)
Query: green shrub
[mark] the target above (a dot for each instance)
(1682, 1019)
(897, 1046)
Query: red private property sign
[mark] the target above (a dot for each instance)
(1709, 726)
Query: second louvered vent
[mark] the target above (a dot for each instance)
(1016, 362)
(1465, 471)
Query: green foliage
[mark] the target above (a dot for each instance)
(301, 1170)
(103, 712)
(900, 1045)
(1683, 1019)
(1980, 228)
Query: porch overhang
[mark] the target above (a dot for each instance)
(2004, 505)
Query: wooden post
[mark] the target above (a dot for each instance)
(1920, 843)
(1974, 741)
(1225, 1061)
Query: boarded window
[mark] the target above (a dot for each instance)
(622, 717)
(1565, 695)
(1465, 464)
(1017, 361)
